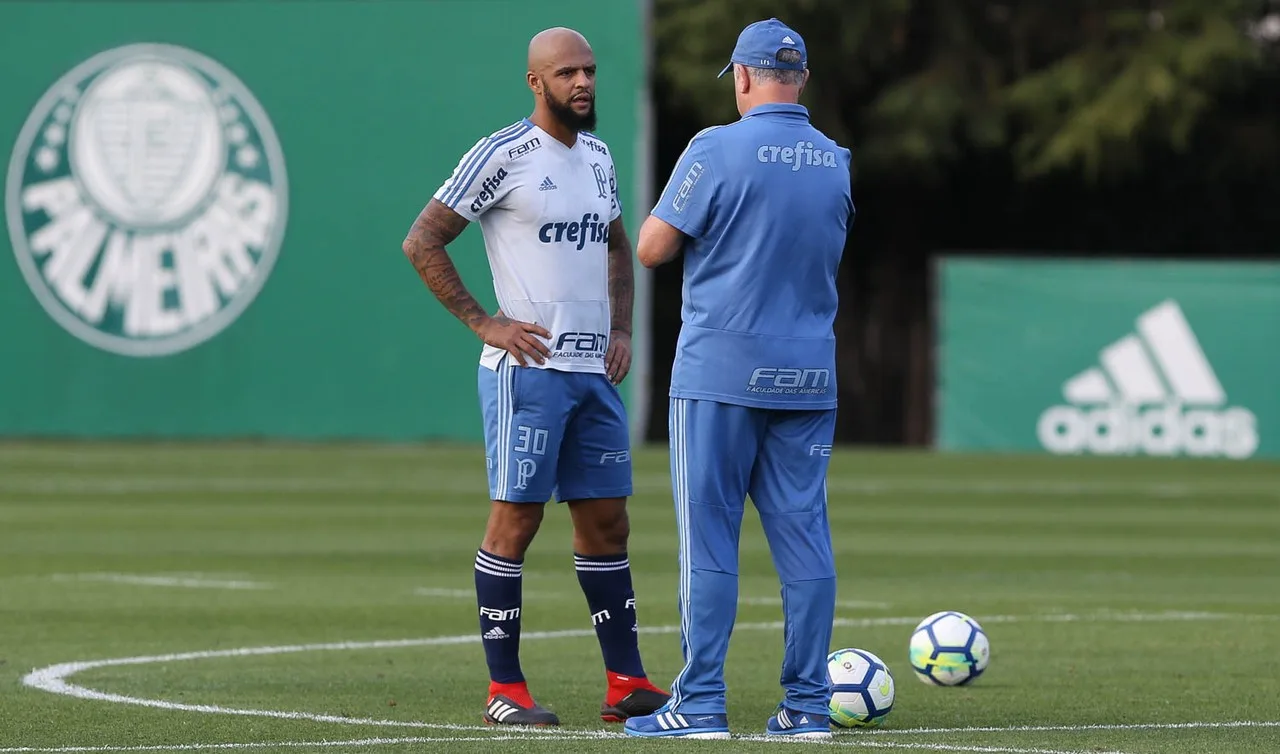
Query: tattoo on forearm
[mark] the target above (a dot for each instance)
(622, 285)
(436, 227)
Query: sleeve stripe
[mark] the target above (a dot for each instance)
(479, 157)
(469, 160)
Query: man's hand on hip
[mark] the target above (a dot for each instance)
(516, 338)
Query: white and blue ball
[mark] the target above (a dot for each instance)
(949, 649)
(861, 688)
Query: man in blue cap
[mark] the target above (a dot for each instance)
(761, 209)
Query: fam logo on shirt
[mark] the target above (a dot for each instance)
(681, 199)
(524, 149)
(789, 381)
(580, 345)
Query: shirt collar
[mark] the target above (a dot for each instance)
(778, 108)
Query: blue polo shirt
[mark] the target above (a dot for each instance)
(766, 203)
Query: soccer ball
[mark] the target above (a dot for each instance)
(861, 688)
(949, 649)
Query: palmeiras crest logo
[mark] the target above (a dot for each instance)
(146, 200)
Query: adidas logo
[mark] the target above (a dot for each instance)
(787, 40)
(672, 721)
(496, 633)
(546, 185)
(1154, 392)
(500, 710)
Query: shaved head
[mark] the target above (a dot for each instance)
(554, 44)
(562, 75)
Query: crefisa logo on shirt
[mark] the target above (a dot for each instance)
(146, 199)
(488, 189)
(801, 155)
(590, 229)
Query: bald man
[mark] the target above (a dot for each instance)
(544, 192)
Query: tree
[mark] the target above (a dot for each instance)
(1084, 126)
(1081, 85)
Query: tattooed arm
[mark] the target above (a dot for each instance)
(436, 227)
(622, 284)
(622, 294)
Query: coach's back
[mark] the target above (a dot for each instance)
(767, 203)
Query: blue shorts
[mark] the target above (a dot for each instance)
(549, 433)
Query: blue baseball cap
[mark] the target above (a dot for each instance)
(759, 43)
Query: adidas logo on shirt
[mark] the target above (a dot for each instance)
(1154, 392)
(496, 633)
(546, 185)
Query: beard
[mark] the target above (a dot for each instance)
(567, 116)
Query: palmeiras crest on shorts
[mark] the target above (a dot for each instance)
(146, 200)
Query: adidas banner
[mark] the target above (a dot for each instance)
(1109, 358)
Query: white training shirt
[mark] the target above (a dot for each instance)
(544, 210)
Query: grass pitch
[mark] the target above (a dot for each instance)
(271, 598)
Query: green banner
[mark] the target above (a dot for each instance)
(1109, 358)
(205, 202)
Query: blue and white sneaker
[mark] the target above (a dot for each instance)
(795, 724)
(667, 724)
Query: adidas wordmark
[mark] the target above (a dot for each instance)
(1153, 392)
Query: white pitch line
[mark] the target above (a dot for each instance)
(976, 749)
(285, 744)
(53, 678)
(566, 736)
(141, 579)
(592, 735)
(1076, 728)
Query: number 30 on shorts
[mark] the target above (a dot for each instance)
(530, 440)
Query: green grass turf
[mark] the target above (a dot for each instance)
(1116, 593)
